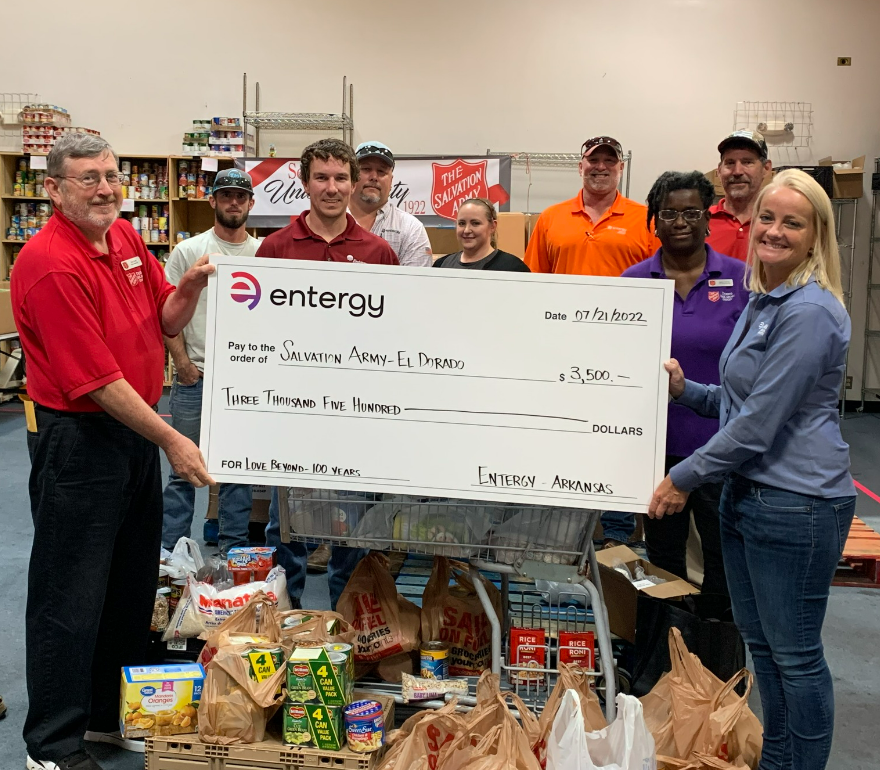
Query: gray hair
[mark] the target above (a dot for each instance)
(76, 146)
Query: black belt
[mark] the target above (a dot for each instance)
(62, 413)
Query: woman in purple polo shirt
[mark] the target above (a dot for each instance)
(709, 297)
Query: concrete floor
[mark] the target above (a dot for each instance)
(851, 634)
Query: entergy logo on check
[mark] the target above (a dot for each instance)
(246, 289)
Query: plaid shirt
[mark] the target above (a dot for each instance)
(405, 234)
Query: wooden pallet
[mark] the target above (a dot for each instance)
(860, 565)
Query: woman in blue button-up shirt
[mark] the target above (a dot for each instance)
(788, 498)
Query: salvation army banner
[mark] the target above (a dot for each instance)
(430, 188)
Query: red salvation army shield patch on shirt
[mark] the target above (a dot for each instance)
(132, 270)
(714, 296)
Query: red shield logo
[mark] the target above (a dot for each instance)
(455, 183)
(135, 277)
(714, 296)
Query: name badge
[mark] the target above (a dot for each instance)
(714, 282)
(130, 264)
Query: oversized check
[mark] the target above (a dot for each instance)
(497, 386)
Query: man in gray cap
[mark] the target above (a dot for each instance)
(743, 168)
(232, 198)
(373, 210)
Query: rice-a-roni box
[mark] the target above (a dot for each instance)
(160, 700)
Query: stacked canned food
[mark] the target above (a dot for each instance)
(28, 183)
(147, 181)
(195, 142)
(27, 220)
(226, 136)
(151, 223)
(41, 138)
(192, 182)
(318, 712)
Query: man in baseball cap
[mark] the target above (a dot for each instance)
(371, 207)
(232, 198)
(598, 232)
(743, 168)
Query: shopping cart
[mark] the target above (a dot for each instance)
(552, 546)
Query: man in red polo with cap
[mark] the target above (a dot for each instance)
(91, 305)
(328, 233)
(599, 231)
(743, 168)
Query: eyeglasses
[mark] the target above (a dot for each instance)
(113, 178)
(690, 215)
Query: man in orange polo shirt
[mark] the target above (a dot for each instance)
(742, 168)
(598, 232)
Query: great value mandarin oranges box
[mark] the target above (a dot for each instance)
(160, 700)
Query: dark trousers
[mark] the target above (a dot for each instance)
(667, 538)
(96, 503)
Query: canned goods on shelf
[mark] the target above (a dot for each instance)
(434, 660)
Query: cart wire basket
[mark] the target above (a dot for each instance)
(551, 545)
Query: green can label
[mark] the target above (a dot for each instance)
(300, 683)
(296, 730)
(326, 726)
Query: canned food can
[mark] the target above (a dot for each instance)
(32, 221)
(295, 726)
(18, 189)
(341, 648)
(126, 167)
(434, 660)
(263, 662)
(300, 684)
(154, 236)
(162, 224)
(364, 726)
(177, 587)
(29, 190)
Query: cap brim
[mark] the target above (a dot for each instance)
(742, 142)
(375, 155)
(611, 147)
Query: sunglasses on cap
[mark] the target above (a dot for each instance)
(598, 141)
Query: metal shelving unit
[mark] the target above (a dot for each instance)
(558, 160)
(295, 121)
(870, 288)
(847, 248)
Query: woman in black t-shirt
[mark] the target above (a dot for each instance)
(475, 227)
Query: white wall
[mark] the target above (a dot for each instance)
(459, 76)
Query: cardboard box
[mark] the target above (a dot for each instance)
(848, 182)
(621, 596)
(7, 325)
(160, 700)
(443, 240)
(262, 496)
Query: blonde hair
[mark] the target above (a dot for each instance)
(823, 259)
(491, 215)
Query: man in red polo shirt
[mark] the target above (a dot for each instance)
(743, 168)
(598, 232)
(327, 233)
(91, 305)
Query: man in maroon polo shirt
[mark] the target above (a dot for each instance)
(91, 305)
(326, 232)
(742, 168)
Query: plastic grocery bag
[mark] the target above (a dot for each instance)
(693, 714)
(455, 615)
(552, 535)
(235, 705)
(571, 679)
(186, 558)
(626, 744)
(203, 608)
(258, 618)
(423, 739)
(386, 623)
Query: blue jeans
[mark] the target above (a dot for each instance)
(180, 496)
(618, 525)
(293, 557)
(780, 553)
